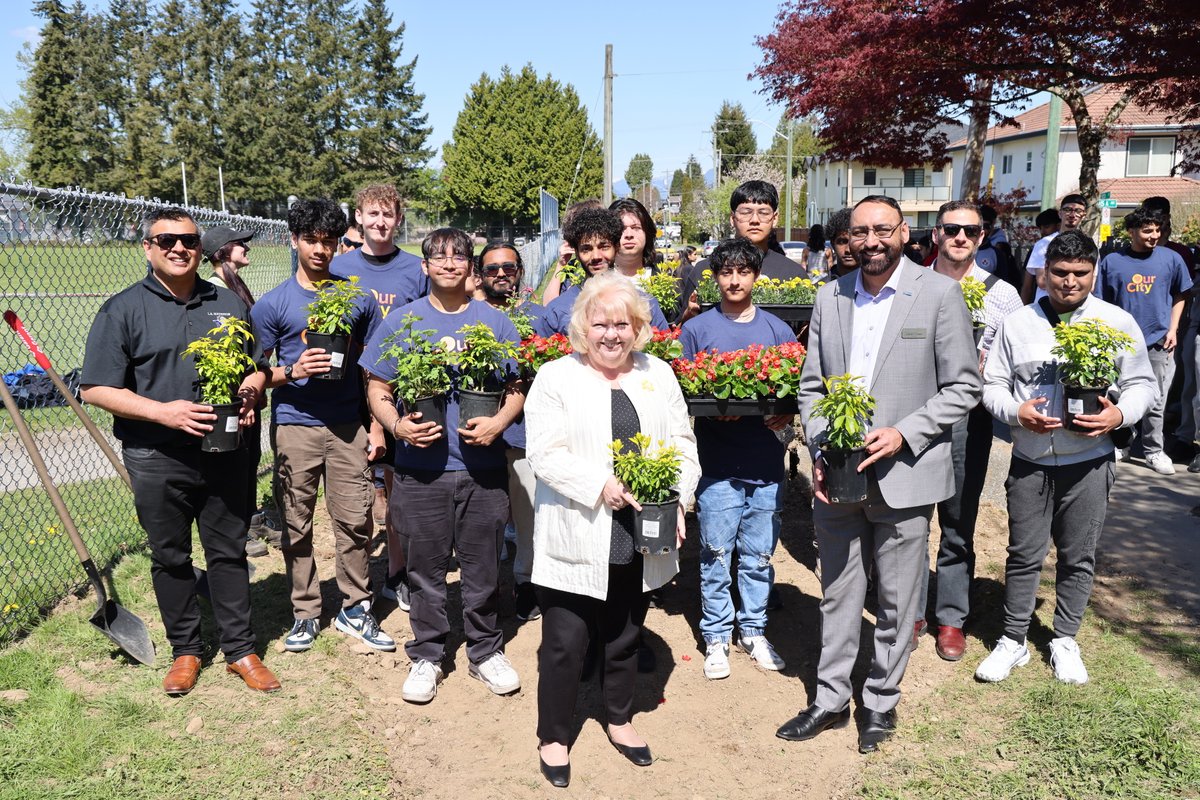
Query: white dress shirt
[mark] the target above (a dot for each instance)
(870, 317)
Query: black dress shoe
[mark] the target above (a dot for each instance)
(812, 721)
(877, 726)
(558, 776)
(638, 755)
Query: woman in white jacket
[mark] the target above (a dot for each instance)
(587, 573)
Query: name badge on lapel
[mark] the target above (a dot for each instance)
(912, 333)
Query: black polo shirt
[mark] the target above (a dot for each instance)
(136, 342)
(774, 265)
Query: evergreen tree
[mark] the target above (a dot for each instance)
(514, 135)
(677, 182)
(53, 153)
(639, 171)
(734, 137)
(692, 168)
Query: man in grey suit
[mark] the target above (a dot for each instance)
(906, 332)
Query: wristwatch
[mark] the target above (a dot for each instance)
(287, 373)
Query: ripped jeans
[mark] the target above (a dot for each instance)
(741, 516)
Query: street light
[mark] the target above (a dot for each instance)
(787, 178)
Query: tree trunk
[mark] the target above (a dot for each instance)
(979, 114)
(1091, 135)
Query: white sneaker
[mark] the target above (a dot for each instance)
(1006, 655)
(1068, 665)
(497, 673)
(1160, 462)
(421, 684)
(716, 661)
(762, 652)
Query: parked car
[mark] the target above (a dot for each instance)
(709, 246)
(519, 241)
(796, 251)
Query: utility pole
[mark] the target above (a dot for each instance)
(608, 128)
(787, 183)
(221, 183)
(183, 170)
(1050, 163)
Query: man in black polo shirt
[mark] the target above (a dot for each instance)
(133, 369)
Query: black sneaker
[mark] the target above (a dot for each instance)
(1194, 466)
(395, 588)
(526, 602)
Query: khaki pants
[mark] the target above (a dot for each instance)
(304, 454)
(521, 483)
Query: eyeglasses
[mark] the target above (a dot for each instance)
(880, 231)
(508, 268)
(166, 241)
(351, 243)
(1076, 211)
(951, 230)
(440, 261)
(754, 213)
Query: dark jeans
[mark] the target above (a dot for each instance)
(971, 444)
(172, 488)
(567, 619)
(463, 512)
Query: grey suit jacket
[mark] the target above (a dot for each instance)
(926, 377)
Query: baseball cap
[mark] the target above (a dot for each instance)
(216, 238)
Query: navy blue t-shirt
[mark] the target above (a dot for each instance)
(280, 320)
(450, 452)
(745, 449)
(1144, 284)
(393, 280)
(514, 435)
(558, 313)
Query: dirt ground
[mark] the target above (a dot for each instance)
(711, 739)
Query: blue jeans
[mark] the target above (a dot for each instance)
(732, 514)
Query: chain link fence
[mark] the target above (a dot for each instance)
(62, 254)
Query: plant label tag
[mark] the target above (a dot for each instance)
(650, 529)
(231, 425)
(1074, 405)
(335, 359)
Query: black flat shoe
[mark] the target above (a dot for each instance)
(877, 726)
(811, 722)
(559, 777)
(638, 755)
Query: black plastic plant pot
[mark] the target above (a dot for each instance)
(1080, 400)
(431, 409)
(336, 345)
(226, 435)
(477, 404)
(709, 406)
(843, 482)
(654, 527)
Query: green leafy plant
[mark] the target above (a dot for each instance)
(1088, 351)
(649, 476)
(664, 344)
(572, 272)
(974, 292)
(331, 310)
(481, 357)
(662, 286)
(756, 371)
(422, 365)
(767, 291)
(222, 361)
(847, 408)
(515, 309)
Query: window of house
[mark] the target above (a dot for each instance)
(1006, 165)
(1029, 161)
(868, 177)
(1150, 155)
(914, 178)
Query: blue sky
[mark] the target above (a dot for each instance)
(675, 62)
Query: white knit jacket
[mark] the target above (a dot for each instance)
(568, 432)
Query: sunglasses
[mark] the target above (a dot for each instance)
(508, 268)
(166, 241)
(351, 242)
(951, 230)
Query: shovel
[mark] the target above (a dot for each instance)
(114, 621)
(43, 361)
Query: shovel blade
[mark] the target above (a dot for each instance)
(127, 630)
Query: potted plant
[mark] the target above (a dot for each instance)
(221, 364)
(1087, 351)
(481, 357)
(756, 381)
(329, 323)
(422, 370)
(847, 409)
(534, 351)
(662, 286)
(651, 478)
(664, 344)
(791, 300)
(974, 292)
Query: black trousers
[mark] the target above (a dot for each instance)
(173, 488)
(567, 622)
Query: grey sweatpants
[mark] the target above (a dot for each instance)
(1066, 504)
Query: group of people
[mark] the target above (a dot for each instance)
(543, 463)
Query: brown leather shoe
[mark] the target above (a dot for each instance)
(255, 674)
(919, 628)
(181, 677)
(950, 643)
